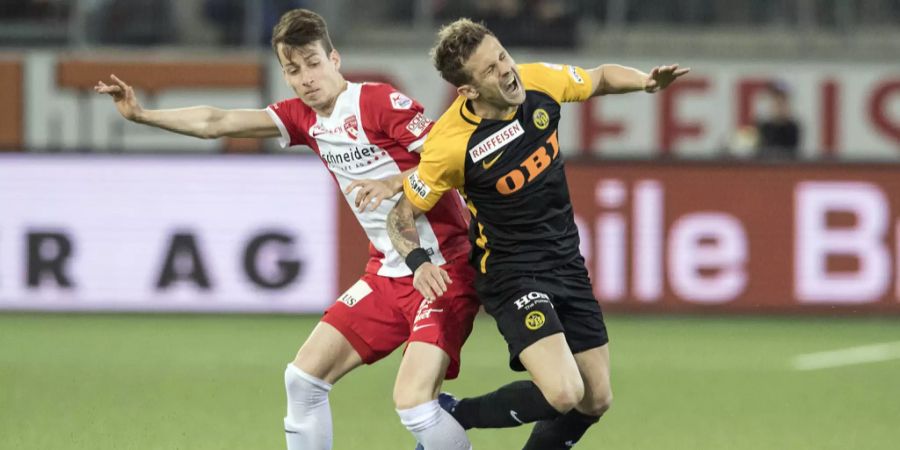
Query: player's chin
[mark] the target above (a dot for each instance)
(514, 99)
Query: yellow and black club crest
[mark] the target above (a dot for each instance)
(534, 320)
(541, 118)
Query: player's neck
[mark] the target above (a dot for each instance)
(326, 109)
(491, 112)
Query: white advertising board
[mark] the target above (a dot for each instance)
(135, 233)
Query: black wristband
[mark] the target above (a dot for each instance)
(416, 258)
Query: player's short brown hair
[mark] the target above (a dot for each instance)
(456, 43)
(299, 27)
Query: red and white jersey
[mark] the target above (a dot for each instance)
(371, 134)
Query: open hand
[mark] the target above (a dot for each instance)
(371, 192)
(662, 76)
(123, 96)
(431, 281)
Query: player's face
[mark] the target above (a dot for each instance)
(495, 77)
(312, 74)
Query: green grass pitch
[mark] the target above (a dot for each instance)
(215, 382)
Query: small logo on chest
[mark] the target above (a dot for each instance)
(351, 127)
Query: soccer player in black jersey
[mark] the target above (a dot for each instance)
(498, 145)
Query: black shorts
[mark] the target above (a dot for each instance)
(529, 306)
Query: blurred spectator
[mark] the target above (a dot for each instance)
(33, 9)
(775, 134)
(134, 22)
(230, 17)
(779, 132)
(530, 23)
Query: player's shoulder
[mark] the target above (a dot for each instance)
(542, 77)
(292, 113)
(451, 132)
(454, 121)
(385, 95)
(293, 104)
(549, 77)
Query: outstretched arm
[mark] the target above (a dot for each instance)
(198, 121)
(616, 79)
(430, 280)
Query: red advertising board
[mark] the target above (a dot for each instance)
(756, 238)
(767, 238)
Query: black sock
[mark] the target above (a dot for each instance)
(560, 433)
(510, 406)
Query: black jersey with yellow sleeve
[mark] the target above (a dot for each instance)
(510, 173)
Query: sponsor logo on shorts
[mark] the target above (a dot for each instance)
(400, 101)
(356, 293)
(425, 311)
(418, 186)
(574, 72)
(534, 320)
(531, 299)
(418, 124)
(541, 118)
(496, 141)
(419, 327)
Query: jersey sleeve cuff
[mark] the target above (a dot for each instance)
(414, 197)
(285, 140)
(588, 83)
(417, 145)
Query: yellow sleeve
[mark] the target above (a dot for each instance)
(441, 169)
(563, 83)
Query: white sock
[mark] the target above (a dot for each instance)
(308, 422)
(434, 428)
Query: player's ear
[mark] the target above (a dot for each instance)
(335, 58)
(468, 91)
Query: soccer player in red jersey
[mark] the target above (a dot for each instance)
(362, 132)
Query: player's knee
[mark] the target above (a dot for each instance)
(565, 396)
(304, 390)
(409, 396)
(312, 363)
(597, 404)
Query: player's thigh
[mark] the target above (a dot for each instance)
(594, 367)
(554, 370)
(447, 321)
(420, 375)
(327, 354)
(369, 317)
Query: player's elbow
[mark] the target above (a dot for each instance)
(210, 131)
(214, 124)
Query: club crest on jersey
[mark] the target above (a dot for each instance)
(351, 127)
(535, 320)
(496, 141)
(400, 101)
(541, 118)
